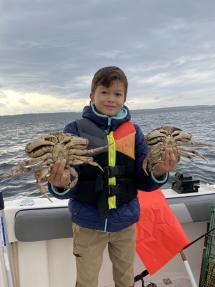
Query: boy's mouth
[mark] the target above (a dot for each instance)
(110, 107)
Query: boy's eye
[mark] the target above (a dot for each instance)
(118, 94)
(104, 92)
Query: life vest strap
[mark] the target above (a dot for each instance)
(112, 190)
(124, 192)
(111, 171)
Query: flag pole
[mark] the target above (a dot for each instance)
(188, 269)
(4, 245)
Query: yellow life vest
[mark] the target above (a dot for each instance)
(121, 140)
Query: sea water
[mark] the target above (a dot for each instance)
(16, 131)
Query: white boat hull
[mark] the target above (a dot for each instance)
(50, 263)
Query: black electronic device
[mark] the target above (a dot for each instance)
(184, 183)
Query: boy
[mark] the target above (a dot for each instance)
(104, 205)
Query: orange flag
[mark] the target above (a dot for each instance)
(160, 236)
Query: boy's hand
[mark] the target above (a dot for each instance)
(168, 162)
(59, 177)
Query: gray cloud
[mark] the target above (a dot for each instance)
(23, 102)
(2, 105)
(165, 47)
(2, 95)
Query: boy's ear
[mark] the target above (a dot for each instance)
(91, 96)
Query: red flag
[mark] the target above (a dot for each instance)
(160, 236)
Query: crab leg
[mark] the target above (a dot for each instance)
(88, 151)
(144, 165)
(191, 153)
(18, 170)
(97, 150)
(93, 163)
(34, 145)
(75, 146)
(40, 175)
(201, 144)
(72, 162)
(42, 158)
(75, 160)
(75, 141)
(74, 173)
(40, 152)
(194, 143)
(77, 152)
(81, 158)
(33, 165)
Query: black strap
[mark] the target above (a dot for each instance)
(112, 190)
(124, 193)
(111, 171)
(141, 275)
(1, 201)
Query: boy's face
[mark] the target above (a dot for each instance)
(109, 100)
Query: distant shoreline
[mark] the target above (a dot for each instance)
(178, 108)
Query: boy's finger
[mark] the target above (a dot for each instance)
(65, 179)
(172, 154)
(57, 170)
(53, 172)
(61, 167)
(167, 155)
(177, 154)
(55, 167)
(174, 158)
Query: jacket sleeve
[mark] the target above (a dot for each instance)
(60, 192)
(144, 182)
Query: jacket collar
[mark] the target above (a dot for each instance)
(106, 122)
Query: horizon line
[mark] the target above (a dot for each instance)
(145, 109)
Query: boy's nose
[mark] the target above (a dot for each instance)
(110, 97)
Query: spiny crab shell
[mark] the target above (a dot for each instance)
(47, 149)
(170, 137)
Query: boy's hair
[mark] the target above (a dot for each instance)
(105, 76)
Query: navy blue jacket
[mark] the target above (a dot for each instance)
(86, 215)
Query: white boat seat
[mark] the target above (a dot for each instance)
(54, 223)
(199, 207)
(43, 224)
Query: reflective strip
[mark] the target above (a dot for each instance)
(112, 202)
(111, 162)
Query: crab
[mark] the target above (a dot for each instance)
(47, 149)
(168, 136)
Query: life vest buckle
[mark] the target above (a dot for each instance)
(112, 171)
(113, 189)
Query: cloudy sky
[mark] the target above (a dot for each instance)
(50, 49)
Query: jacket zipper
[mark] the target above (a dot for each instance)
(105, 228)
